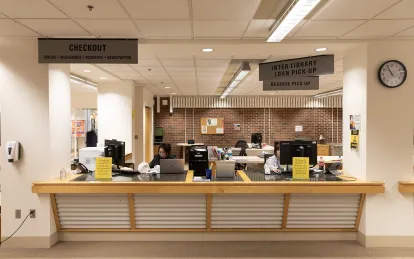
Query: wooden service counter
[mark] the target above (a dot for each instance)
(406, 187)
(249, 202)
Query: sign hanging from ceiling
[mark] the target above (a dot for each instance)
(98, 51)
(292, 83)
(309, 66)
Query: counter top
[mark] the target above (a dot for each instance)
(406, 186)
(252, 183)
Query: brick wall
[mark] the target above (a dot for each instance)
(183, 123)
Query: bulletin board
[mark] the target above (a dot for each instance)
(212, 126)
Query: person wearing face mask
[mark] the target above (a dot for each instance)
(164, 152)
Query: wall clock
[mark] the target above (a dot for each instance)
(392, 73)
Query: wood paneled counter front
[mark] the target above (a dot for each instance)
(249, 202)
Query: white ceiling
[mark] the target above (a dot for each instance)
(173, 32)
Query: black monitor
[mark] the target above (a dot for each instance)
(116, 150)
(298, 148)
(257, 139)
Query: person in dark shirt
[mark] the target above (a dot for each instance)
(164, 152)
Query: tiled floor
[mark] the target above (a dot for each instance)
(216, 250)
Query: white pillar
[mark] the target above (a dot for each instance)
(31, 116)
(115, 112)
(385, 145)
(60, 115)
(143, 99)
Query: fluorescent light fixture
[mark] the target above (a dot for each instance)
(321, 49)
(103, 78)
(172, 93)
(208, 50)
(238, 77)
(80, 80)
(328, 94)
(86, 71)
(295, 13)
(167, 87)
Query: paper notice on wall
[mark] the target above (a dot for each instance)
(219, 130)
(203, 129)
(298, 128)
(354, 139)
(211, 122)
(236, 126)
(355, 122)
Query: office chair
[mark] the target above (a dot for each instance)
(239, 166)
(241, 143)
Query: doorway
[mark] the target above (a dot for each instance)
(148, 134)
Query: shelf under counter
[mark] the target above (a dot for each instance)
(187, 206)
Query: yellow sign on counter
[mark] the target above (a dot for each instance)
(103, 170)
(300, 168)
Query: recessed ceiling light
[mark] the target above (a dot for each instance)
(172, 93)
(167, 87)
(103, 78)
(86, 71)
(208, 50)
(321, 49)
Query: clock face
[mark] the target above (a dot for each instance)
(392, 73)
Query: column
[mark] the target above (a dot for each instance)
(115, 112)
(35, 105)
(143, 100)
(385, 141)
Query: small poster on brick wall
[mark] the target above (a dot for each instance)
(211, 122)
(204, 129)
(236, 127)
(298, 128)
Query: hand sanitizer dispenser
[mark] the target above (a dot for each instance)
(13, 151)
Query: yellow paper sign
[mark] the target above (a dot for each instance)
(103, 168)
(300, 168)
(354, 139)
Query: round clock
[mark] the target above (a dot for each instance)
(392, 73)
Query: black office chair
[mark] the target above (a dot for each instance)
(239, 166)
(241, 143)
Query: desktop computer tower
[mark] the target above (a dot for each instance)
(198, 160)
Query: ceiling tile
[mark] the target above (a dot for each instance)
(29, 9)
(55, 27)
(353, 9)
(157, 9)
(10, 28)
(212, 62)
(327, 28)
(224, 9)
(110, 28)
(407, 33)
(259, 28)
(116, 68)
(178, 63)
(165, 29)
(147, 63)
(219, 29)
(110, 9)
(402, 10)
(379, 29)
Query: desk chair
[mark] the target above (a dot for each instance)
(239, 166)
(241, 144)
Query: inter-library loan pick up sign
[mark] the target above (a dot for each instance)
(295, 74)
(91, 51)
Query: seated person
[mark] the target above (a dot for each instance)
(164, 152)
(272, 163)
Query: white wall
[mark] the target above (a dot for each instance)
(385, 149)
(24, 88)
(143, 98)
(115, 112)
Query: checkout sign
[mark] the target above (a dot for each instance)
(295, 74)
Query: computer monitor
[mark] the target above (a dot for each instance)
(257, 139)
(297, 148)
(116, 150)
